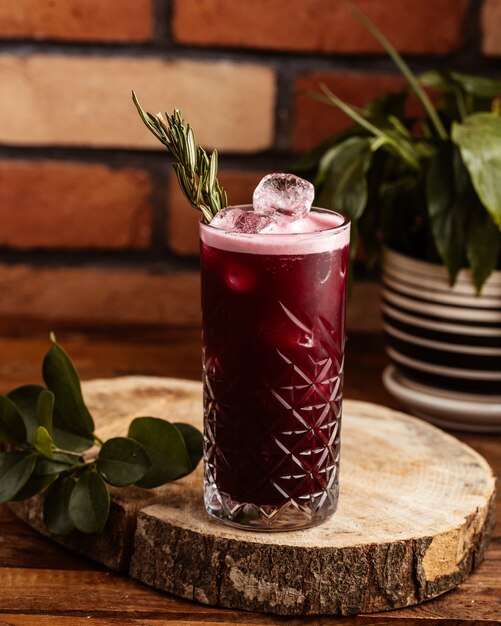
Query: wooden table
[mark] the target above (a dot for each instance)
(43, 584)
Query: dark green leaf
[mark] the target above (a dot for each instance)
(341, 175)
(479, 139)
(59, 463)
(122, 461)
(401, 202)
(12, 428)
(342, 180)
(43, 441)
(165, 447)
(56, 505)
(70, 412)
(89, 503)
(70, 441)
(15, 469)
(34, 485)
(45, 409)
(193, 440)
(387, 104)
(446, 210)
(483, 245)
(455, 103)
(26, 398)
(437, 79)
(478, 86)
(386, 136)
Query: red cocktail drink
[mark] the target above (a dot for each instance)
(273, 333)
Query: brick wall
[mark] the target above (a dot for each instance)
(93, 230)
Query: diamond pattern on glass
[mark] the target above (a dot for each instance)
(280, 462)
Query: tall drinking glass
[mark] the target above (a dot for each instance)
(273, 358)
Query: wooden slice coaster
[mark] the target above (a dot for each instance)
(414, 517)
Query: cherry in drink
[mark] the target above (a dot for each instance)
(273, 301)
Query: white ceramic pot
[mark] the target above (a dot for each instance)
(444, 343)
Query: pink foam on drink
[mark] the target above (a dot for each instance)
(320, 231)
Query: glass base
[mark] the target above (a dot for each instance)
(291, 515)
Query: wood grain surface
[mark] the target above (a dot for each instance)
(414, 518)
(43, 583)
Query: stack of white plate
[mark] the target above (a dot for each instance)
(444, 341)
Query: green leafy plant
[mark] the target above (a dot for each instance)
(196, 171)
(50, 446)
(427, 186)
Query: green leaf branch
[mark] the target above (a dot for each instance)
(427, 186)
(405, 69)
(196, 171)
(49, 446)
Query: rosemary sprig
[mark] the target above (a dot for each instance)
(196, 171)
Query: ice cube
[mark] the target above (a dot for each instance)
(226, 219)
(285, 194)
(236, 220)
(253, 223)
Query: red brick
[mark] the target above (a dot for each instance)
(56, 99)
(491, 28)
(315, 121)
(182, 219)
(78, 20)
(326, 26)
(55, 204)
(99, 296)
